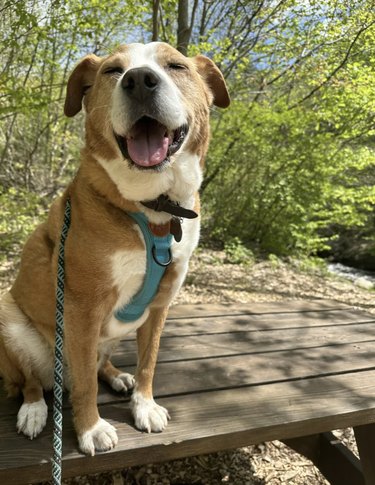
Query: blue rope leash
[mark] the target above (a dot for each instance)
(59, 353)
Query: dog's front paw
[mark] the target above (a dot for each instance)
(32, 418)
(101, 437)
(148, 416)
(123, 382)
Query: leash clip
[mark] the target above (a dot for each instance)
(160, 263)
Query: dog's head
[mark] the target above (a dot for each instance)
(147, 109)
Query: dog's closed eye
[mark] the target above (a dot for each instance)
(177, 66)
(113, 70)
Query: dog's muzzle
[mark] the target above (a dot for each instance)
(149, 143)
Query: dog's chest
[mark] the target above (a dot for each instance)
(128, 272)
(128, 269)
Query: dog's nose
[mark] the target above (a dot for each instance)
(140, 83)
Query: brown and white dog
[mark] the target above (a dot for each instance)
(147, 133)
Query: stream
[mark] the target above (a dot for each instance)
(361, 277)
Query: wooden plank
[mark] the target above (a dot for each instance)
(263, 322)
(202, 423)
(259, 369)
(257, 340)
(232, 343)
(291, 306)
(261, 336)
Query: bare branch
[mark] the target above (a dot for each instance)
(165, 37)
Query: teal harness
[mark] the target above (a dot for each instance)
(158, 251)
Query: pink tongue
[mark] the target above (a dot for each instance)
(147, 143)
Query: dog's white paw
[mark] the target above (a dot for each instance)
(148, 416)
(123, 382)
(32, 418)
(101, 437)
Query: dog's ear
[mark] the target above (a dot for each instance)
(81, 79)
(214, 79)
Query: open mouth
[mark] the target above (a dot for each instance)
(149, 143)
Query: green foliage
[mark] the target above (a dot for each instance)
(279, 180)
(237, 253)
(21, 212)
(295, 160)
(310, 265)
(274, 260)
(39, 147)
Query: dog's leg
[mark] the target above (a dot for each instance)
(10, 370)
(148, 415)
(119, 381)
(82, 335)
(32, 416)
(16, 367)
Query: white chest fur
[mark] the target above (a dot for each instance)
(128, 270)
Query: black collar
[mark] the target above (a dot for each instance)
(164, 204)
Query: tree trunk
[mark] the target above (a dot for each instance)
(183, 29)
(155, 20)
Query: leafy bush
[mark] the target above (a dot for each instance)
(280, 179)
(21, 212)
(237, 253)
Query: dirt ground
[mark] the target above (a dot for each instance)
(213, 279)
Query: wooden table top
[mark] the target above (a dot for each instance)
(230, 375)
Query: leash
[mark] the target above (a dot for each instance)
(59, 352)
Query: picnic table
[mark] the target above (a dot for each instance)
(232, 375)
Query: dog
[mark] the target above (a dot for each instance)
(146, 136)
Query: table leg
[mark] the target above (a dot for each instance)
(334, 460)
(365, 437)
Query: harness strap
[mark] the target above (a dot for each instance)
(158, 251)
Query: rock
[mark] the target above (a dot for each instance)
(364, 283)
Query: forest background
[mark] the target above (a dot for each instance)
(291, 166)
